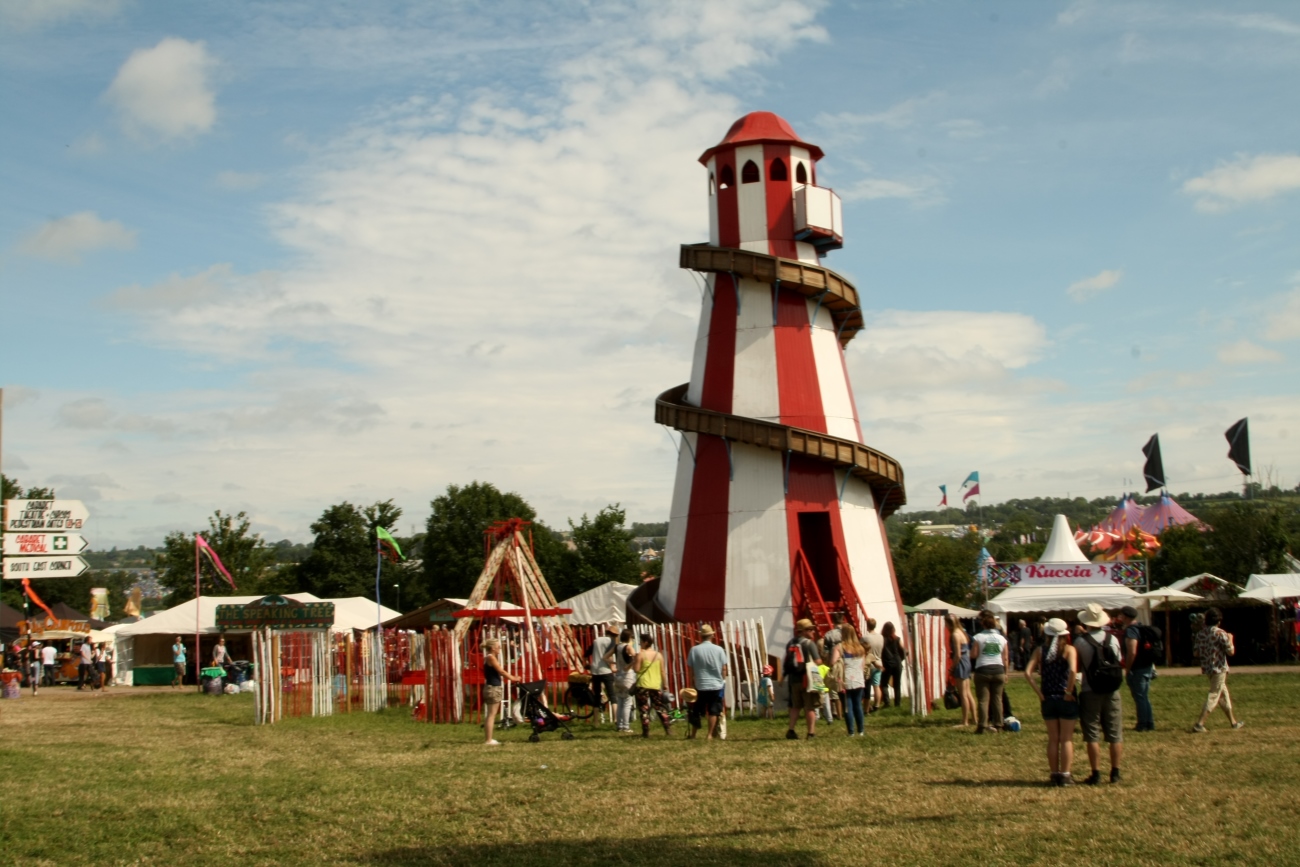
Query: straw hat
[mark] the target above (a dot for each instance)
(706, 631)
(1056, 626)
(803, 624)
(687, 695)
(1094, 616)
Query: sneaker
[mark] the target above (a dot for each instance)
(1056, 780)
(493, 743)
(790, 735)
(1115, 775)
(811, 735)
(1067, 780)
(1093, 779)
(1198, 728)
(1239, 724)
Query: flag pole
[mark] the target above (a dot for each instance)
(198, 681)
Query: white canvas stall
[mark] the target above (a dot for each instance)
(934, 603)
(604, 604)
(1028, 600)
(1285, 581)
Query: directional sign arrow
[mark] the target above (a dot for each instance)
(36, 544)
(44, 515)
(17, 568)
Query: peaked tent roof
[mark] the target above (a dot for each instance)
(1124, 517)
(1072, 597)
(1201, 580)
(934, 603)
(604, 604)
(1165, 514)
(1285, 580)
(1061, 547)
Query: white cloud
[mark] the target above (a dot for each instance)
(1246, 352)
(1283, 320)
(943, 349)
(924, 190)
(1082, 290)
(964, 128)
(163, 92)
(231, 180)
(67, 238)
(1246, 179)
(36, 14)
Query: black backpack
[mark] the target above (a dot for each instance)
(1151, 646)
(790, 667)
(1106, 671)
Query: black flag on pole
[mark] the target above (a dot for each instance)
(1239, 445)
(1154, 469)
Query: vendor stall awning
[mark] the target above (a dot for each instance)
(1075, 597)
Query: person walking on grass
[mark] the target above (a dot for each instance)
(1139, 665)
(37, 665)
(178, 660)
(649, 689)
(875, 642)
(708, 664)
(891, 661)
(1057, 663)
(854, 655)
(801, 653)
(493, 689)
(990, 672)
(1213, 647)
(959, 652)
(1100, 709)
(86, 670)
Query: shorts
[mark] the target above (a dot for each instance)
(1101, 715)
(492, 695)
(709, 702)
(801, 699)
(1059, 708)
(875, 676)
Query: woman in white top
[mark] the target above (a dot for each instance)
(853, 653)
(989, 657)
(624, 679)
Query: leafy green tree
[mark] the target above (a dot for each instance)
(934, 566)
(343, 557)
(604, 550)
(453, 551)
(244, 553)
(10, 489)
(1184, 551)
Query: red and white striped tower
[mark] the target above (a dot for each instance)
(778, 506)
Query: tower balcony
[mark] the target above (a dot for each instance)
(818, 218)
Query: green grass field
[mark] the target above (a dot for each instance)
(180, 779)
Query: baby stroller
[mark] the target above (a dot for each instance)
(538, 715)
(579, 697)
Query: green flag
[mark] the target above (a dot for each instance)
(389, 544)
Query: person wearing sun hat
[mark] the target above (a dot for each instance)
(1057, 663)
(1101, 711)
(708, 664)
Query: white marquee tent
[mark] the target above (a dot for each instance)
(604, 604)
(934, 603)
(1061, 548)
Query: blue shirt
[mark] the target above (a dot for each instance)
(706, 661)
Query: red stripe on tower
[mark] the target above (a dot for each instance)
(702, 588)
(796, 368)
(780, 201)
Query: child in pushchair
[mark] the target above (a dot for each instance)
(538, 715)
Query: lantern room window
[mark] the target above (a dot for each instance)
(777, 172)
(727, 178)
(800, 174)
(749, 174)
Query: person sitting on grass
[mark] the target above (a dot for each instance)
(1057, 663)
(493, 690)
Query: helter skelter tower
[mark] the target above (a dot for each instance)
(778, 508)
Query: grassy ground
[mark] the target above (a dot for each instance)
(180, 779)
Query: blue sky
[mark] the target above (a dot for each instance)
(268, 256)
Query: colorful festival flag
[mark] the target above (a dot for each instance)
(973, 478)
(389, 545)
(973, 492)
(944, 490)
(203, 546)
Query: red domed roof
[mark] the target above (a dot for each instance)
(759, 127)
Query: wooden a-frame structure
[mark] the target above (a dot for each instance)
(511, 574)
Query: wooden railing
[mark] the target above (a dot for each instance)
(881, 472)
